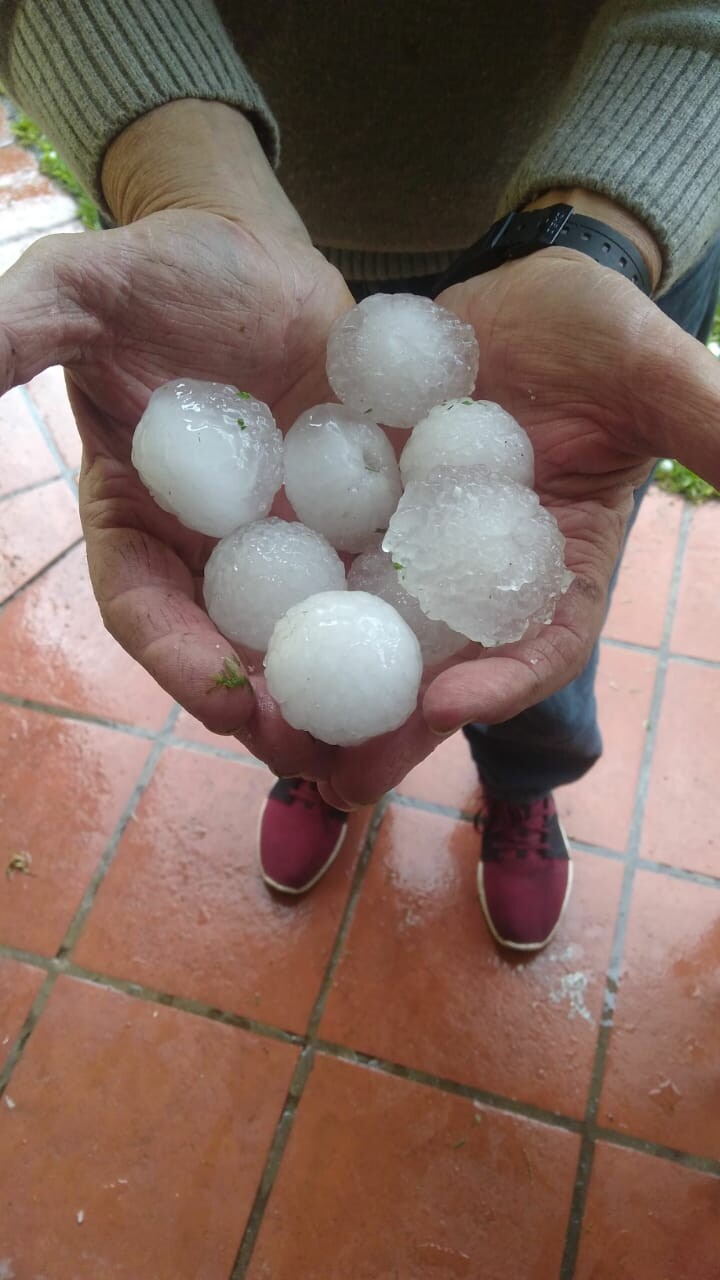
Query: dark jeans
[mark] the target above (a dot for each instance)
(558, 740)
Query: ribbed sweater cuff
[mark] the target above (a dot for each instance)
(641, 126)
(84, 71)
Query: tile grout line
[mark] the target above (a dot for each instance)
(50, 564)
(33, 487)
(65, 471)
(587, 1149)
(307, 1058)
(75, 926)
(629, 646)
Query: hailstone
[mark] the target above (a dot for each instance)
(396, 355)
(344, 666)
(479, 553)
(374, 572)
(209, 454)
(468, 433)
(255, 574)
(341, 476)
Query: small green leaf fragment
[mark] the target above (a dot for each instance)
(231, 676)
(242, 424)
(396, 565)
(467, 401)
(244, 395)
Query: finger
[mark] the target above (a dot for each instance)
(509, 679)
(363, 774)
(288, 752)
(42, 319)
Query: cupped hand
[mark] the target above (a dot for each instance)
(177, 294)
(603, 382)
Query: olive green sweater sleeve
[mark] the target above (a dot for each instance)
(639, 121)
(85, 69)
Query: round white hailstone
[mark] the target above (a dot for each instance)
(341, 476)
(374, 572)
(255, 574)
(469, 433)
(209, 454)
(478, 552)
(395, 355)
(344, 666)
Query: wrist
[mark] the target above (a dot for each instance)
(614, 215)
(192, 154)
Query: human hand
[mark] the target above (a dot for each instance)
(603, 383)
(227, 288)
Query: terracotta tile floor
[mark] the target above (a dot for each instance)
(201, 1081)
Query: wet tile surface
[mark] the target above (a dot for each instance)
(184, 910)
(427, 1185)
(421, 983)
(662, 1081)
(63, 787)
(447, 777)
(35, 528)
(647, 1218)
(599, 808)
(19, 985)
(697, 622)
(55, 650)
(137, 1142)
(49, 395)
(27, 460)
(639, 604)
(680, 825)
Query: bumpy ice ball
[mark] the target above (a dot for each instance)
(394, 356)
(209, 454)
(255, 574)
(374, 572)
(469, 433)
(344, 666)
(341, 476)
(478, 552)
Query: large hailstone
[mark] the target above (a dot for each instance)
(469, 433)
(341, 476)
(344, 666)
(255, 574)
(374, 572)
(479, 553)
(395, 355)
(209, 454)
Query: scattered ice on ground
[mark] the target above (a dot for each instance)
(255, 574)
(374, 572)
(208, 453)
(479, 553)
(394, 356)
(344, 666)
(469, 433)
(341, 476)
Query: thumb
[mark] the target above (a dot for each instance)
(675, 389)
(43, 320)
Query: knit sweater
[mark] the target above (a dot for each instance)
(401, 129)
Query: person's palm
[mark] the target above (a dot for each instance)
(177, 294)
(603, 382)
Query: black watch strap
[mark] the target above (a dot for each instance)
(519, 234)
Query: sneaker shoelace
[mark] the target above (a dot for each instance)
(517, 828)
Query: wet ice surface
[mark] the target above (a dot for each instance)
(394, 356)
(344, 666)
(478, 552)
(374, 572)
(255, 574)
(209, 454)
(469, 433)
(341, 476)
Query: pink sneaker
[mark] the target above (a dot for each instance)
(525, 872)
(300, 836)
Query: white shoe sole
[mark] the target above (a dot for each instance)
(286, 888)
(526, 946)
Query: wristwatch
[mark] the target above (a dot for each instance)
(525, 231)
